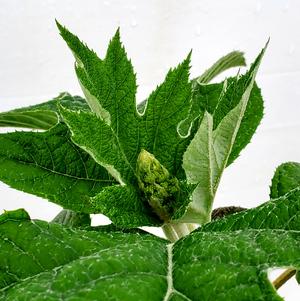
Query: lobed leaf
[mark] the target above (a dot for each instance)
(49, 165)
(86, 265)
(282, 213)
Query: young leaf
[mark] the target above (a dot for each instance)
(230, 60)
(115, 133)
(110, 87)
(98, 138)
(42, 116)
(166, 107)
(40, 260)
(49, 165)
(208, 153)
(286, 178)
(219, 99)
(125, 207)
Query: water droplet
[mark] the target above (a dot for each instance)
(133, 23)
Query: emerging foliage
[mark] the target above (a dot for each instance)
(154, 164)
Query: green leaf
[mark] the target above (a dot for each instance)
(166, 107)
(252, 116)
(230, 60)
(115, 133)
(281, 213)
(110, 87)
(71, 218)
(97, 138)
(49, 165)
(286, 178)
(125, 207)
(48, 261)
(208, 153)
(42, 116)
(219, 99)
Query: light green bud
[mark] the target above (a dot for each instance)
(160, 188)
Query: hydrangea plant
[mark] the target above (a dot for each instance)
(157, 163)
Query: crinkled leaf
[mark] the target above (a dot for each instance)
(115, 133)
(110, 87)
(97, 138)
(40, 260)
(218, 99)
(281, 213)
(125, 206)
(42, 116)
(49, 165)
(286, 178)
(208, 153)
(166, 107)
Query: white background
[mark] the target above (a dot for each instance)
(36, 65)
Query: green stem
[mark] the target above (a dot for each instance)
(175, 231)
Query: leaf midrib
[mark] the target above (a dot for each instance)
(59, 173)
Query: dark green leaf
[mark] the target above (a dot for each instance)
(282, 213)
(49, 165)
(286, 178)
(52, 262)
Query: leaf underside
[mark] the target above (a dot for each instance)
(42, 116)
(209, 152)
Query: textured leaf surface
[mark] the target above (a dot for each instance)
(49, 165)
(125, 207)
(166, 107)
(286, 178)
(208, 153)
(52, 262)
(97, 138)
(218, 101)
(115, 133)
(42, 116)
(282, 213)
(111, 87)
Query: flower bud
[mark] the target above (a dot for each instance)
(158, 185)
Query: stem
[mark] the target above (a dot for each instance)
(283, 278)
(174, 231)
